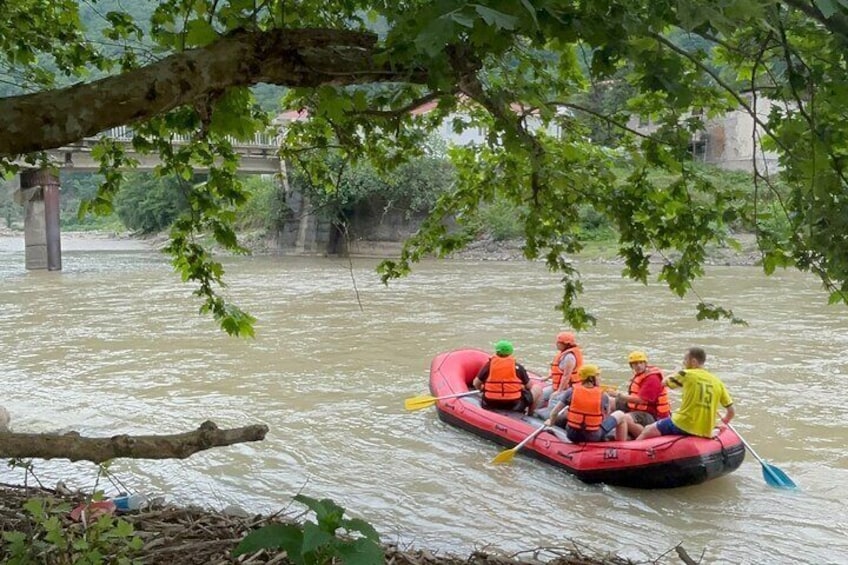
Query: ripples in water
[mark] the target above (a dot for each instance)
(114, 344)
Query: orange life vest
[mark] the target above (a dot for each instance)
(585, 410)
(659, 410)
(556, 371)
(503, 382)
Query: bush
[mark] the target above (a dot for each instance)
(265, 208)
(104, 539)
(147, 204)
(317, 543)
(500, 220)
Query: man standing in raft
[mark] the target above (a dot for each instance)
(505, 383)
(646, 399)
(702, 394)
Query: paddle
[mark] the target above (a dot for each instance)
(508, 455)
(772, 475)
(425, 400)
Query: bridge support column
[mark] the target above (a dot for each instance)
(40, 197)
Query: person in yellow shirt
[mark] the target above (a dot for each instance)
(703, 392)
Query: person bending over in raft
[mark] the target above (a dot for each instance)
(646, 399)
(505, 383)
(588, 418)
(702, 394)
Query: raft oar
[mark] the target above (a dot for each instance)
(425, 400)
(508, 455)
(772, 475)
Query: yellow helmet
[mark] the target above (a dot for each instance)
(586, 372)
(637, 356)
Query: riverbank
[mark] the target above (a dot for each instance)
(744, 253)
(169, 534)
(484, 249)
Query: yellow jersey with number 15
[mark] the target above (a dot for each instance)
(702, 394)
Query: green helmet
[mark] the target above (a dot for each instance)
(503, 348)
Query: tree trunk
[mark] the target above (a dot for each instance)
(295, 57)
(77, 448)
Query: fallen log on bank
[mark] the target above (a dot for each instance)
(75, 447)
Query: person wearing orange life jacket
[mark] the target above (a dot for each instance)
(646, 399)
(505, 383)
(564, 367)
(588, 418)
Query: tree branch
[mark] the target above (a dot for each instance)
(607, 119)
(294, 58)
(727, 88)
(403, 111)
(76, 448)
(837, 24)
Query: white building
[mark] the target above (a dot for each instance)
(731, 142)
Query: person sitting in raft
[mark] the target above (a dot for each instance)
(588, 418)
(702, 394)
(505, 383)
(564, 367)
(646, 399)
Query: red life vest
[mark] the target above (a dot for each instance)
(503, 382)
(659, 410)
(585, 410)
(556, 371)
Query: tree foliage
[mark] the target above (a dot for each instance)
(148, 204)
(504, 64)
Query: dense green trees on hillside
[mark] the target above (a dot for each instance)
(507, 63)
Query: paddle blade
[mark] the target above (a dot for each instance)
(504, 456)
(776, 478)
(419, 402)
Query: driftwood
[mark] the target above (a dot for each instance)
(195, 536)
(77, 448)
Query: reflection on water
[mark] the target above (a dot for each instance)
(114, 344)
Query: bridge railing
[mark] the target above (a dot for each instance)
(260, 140)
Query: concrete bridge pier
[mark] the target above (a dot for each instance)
(39, 194)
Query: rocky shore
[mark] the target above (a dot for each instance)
(484, 249)
(606, 252)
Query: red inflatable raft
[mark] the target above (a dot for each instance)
(662, 462)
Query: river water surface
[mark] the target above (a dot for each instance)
(114, 344)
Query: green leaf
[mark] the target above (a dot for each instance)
(314, 538)
(14, 537)
(361, 526)
(462, 19)
(837, 296)
(532, 11)
(495, 18)
(123, 529)
(361, 552)
(35, 506)
(272, 536)
(328, 513)
(199, 32)
(827, 7)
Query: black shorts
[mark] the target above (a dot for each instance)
(642, 418)
(519, 405)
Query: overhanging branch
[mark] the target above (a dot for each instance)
(294, 58)
(74, 447)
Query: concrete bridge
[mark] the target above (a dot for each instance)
(39, 189)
